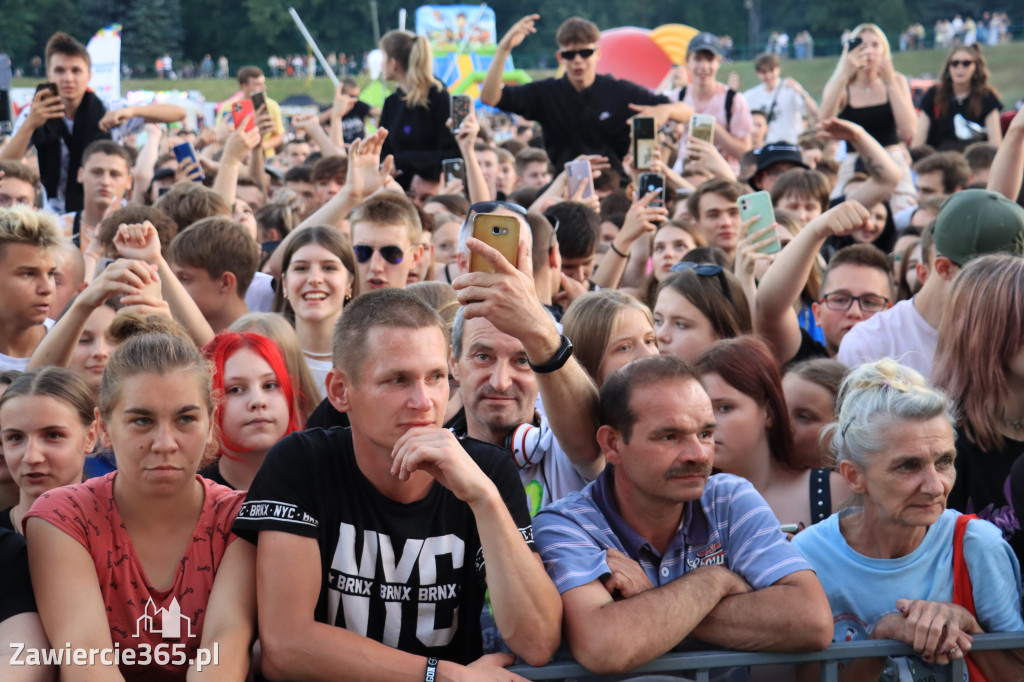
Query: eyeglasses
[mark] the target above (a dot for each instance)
(869, 303)
(488, 206)
(569, 55)
(707, 270)
(391, 253)
(964, 63)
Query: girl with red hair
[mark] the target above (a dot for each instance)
(256, 406)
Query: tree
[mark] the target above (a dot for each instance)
(151, 29)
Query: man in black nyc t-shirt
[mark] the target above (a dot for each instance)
(387, 529)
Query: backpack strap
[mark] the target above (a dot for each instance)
(729, 97)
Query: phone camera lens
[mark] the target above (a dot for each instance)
(495, 230)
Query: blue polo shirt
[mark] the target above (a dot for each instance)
(731, 525)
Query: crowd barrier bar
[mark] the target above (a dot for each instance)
(702, 662)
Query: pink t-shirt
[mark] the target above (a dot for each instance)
(88, 514)
(741, 125)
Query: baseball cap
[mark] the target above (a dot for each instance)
(708, 42)
(975, 222)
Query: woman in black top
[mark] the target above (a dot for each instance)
(415, 114)
(866, 89)
(962, 107)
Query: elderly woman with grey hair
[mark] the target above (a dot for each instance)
(892, 563)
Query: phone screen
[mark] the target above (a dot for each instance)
(652, 182)
(643, 141)
(461, 106)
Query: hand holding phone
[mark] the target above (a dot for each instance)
(652, 182)
(184, 151)
(579, 174)
(759, 204)
(259, 100)
(500, 232)
(240, 110)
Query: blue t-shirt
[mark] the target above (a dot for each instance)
(861, 589)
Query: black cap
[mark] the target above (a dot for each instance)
(776, 152)
(705, 42)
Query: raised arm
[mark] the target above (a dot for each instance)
(141, 242)
(833, 98)
(121, 278)
(1007, 170)
(236, 150)
(899, 97)
(508, 300)
(45, 107)
(311, 125)
(883, 173)
(810, 106)
(142, 171)
(641, 221)
(490, 91)
(151, 113)
(465, 137)
(774, 317)
(366, 174)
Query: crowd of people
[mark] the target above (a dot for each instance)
(273, 381)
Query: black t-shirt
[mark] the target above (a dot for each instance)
(6, 523)
(418, 136)
(941, 131)
(983, 486)
(17, 585)
(212, 473)
(810, 349)
(353, 124)
(408, 575)
(1017, 487)
(591, 121)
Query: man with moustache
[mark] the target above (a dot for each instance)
(657, 551)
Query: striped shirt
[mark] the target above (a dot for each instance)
(732, 526)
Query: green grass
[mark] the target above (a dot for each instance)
(1004, 62)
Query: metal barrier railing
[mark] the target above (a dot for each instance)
(700, 663)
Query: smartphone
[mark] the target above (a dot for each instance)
(643, 142)
(702, 126)
(652, 182)
(759, 204)
(461, 106)
(500, 232)
(258, 100)
(185, 150)
(577, 173)
(241, 109)
(52, 87)
(853, 43)
(454, 169)
(6, 128)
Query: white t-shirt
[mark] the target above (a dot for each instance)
(319, 370)
(20, 364)
(787, 115)
(259, 297)
(899, 333)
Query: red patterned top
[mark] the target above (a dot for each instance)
(87, 512)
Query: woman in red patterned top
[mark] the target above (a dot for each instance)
(142, 562)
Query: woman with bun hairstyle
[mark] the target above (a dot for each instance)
(415, 114)
(152, 539)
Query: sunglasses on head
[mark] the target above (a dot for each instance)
(391, 253)
(569, 55)
(490, 206)
(707, 270)
(964, 63)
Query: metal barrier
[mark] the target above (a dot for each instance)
(700, 663)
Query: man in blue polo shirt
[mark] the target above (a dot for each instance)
(654, 551)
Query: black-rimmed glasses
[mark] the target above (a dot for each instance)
(869, 303)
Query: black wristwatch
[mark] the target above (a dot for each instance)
(559, 359)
